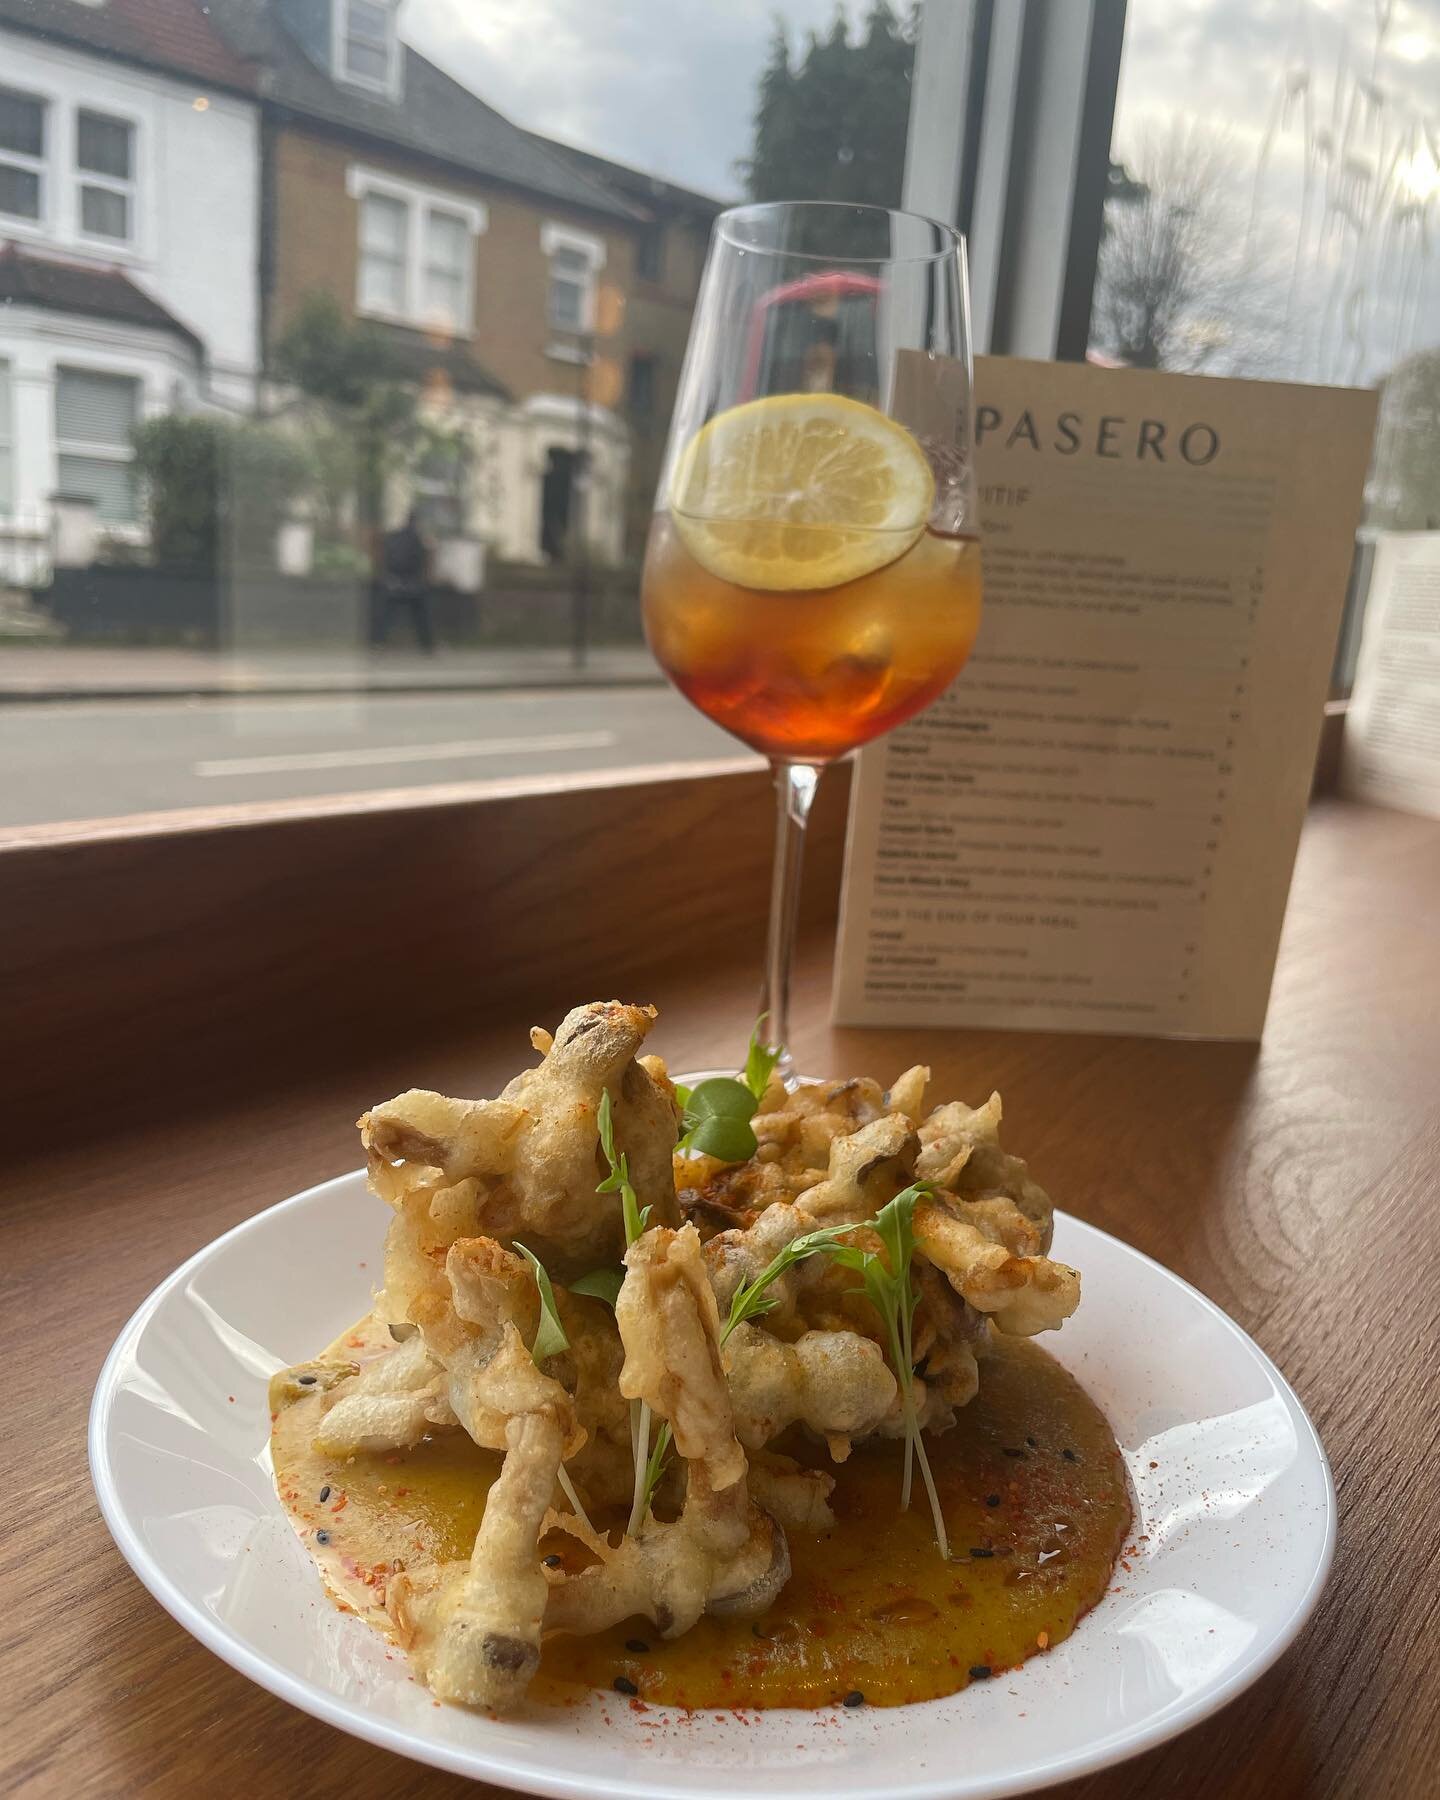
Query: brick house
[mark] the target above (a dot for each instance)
(517, 277)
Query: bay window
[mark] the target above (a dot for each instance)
(95, 414)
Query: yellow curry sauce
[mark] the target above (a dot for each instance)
(1036, 1505)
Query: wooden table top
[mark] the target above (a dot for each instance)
(1295, 1182)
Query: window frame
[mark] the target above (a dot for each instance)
(38, 166)
(420, 204)
(127, 188)
(555, 236)
(96, 450)
(341, 37)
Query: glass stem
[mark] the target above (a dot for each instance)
(795, 784)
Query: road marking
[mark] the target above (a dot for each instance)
(377, 754)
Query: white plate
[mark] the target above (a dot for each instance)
(1235, 1498)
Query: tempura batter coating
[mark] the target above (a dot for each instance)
(524, 1166)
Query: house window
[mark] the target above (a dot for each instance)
(650, 253)
(22, 154)
(574, 259)
(105, 162)
(384, 236)
(94, 417)
(7, 445)
(569, 286)
(642, 387)
(446, 272)
(368, 50)
(417, 252)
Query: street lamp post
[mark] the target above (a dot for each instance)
(580, 595)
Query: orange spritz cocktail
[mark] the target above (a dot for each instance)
(795, 590)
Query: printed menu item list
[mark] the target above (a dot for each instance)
(1094, 828)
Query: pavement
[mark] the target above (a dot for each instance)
(41, 673)
(71, 760)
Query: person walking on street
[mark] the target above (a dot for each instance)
(405, 581)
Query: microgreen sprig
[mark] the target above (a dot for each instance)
(751, 1299)
(618, 1180)
(636, 1218)
(890, 1290)
(551, 1339)
(717, 1113)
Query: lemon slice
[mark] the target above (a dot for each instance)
(800, 491)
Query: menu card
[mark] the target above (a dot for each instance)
(1094, 828)
(1392, 730)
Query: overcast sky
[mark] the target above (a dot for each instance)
(669, 85)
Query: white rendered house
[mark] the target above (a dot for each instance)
(129, 250)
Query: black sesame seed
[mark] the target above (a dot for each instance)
(981, 1672)
(992, 1499)
(853, 1698)
(981, 1552)
(622, 1684)
(552, 1562)
(638, 1645)
(306, 1380)
(1015, 1452)
(322, 1537)
(1031, 1442)
(325, 1492)
(1069, 1456)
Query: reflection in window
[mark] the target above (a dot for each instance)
(104, 147)
(94, 416)
(22, 154)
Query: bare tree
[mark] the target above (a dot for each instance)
(1176, 287)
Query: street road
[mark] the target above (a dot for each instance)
(103, 759)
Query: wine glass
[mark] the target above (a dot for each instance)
(813, 573)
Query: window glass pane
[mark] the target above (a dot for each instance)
(1273, 206)
(382, 283)
(22, 123)
(384, 224)
(1273, 191)
(447, 242)
(104, 213)
(91, 408)
(7, 488)
(352, 307)
(110, 484)
(366, 62)
(19, 192)
(103, 145)
(366, 21)
(567, 303)
(444, 297)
